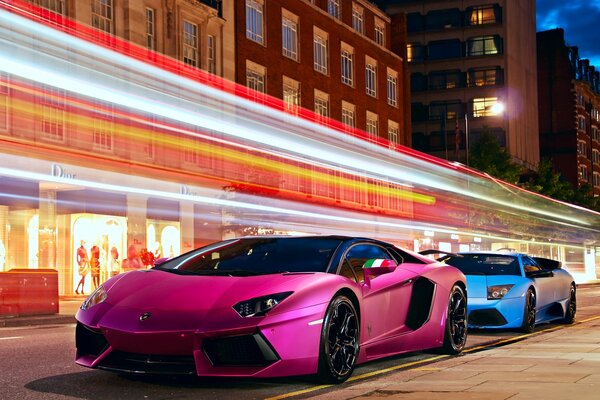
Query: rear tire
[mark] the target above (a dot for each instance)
(340, 335)
(528, 325)
(571, 306)
(456, 327)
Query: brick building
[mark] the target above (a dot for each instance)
(569, 110)
(333, 57)
(465, 58)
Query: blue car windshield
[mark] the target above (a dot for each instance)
(485, 264)
(256, 256)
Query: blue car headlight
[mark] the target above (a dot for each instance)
(497, 291)
(259, 306)
(97, 297)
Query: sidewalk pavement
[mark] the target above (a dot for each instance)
(559, 364)
(67, 309)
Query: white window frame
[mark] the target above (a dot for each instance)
(393, 133)
(348, 114)
(103, 132)
(358, 18)
(379, 35)
(372, 124)
(256, 77)
(150, 28)
(291, 94)
(321, 104)
(189, 52)
(392, 87)
(289, 35)
(321, 50)
(334, 9)
(255, 21)
(56, 6)
(211, 50)
(371, 77)
(102, 15)
(53, 114)
(347, 64)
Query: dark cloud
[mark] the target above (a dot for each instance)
(579, 18)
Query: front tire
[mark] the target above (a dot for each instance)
(455, 332)
(571, 306)
(528, 325)
(339, 341)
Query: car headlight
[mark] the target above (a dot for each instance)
(259, 306)
(498, 291)
(97, 297)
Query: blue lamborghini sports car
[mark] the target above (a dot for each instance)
(514, 290)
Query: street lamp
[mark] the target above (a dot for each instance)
(495, 109)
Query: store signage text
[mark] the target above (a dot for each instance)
(60, 172)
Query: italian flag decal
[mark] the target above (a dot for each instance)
(374, 263)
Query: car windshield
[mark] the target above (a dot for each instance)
(485, 264)
(256, 256)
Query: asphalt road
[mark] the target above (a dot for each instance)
(37, 363)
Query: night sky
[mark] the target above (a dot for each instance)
(579, 18)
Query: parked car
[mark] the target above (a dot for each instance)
(273, 306)
(514, 290)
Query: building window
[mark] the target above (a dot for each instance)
(347, 64)
(595, 114)
(596, 156)
(595, 133)
(211, 47)
(582, 148)
(57, 6)
(190, 152)
(379, 32)
(485, 107)
(255, 20)
(415, 52)
(190, 44)
(348, 111)
(445, 80)
(372, 124)
(255, 76)
(581, 123)
(481, 15)
(102, 131)
(392, 87)
(357, 18)
(289, 35)
(484, 77)
(333, 8)
(371, 77)
(53, 114)
(321, 103)
(3, 101)
(102, 15)
(150, 29)
(596, 179)
(393, 133)
(291, 94)
(484, 45)
(320, 50)
(583, 173)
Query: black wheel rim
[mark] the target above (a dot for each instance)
(457, 310)
(342, 346)
(572, 303)
(530, 309)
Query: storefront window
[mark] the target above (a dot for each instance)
(33, 247)
(163, 238)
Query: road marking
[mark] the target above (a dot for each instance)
(431, 359)
(11, 337)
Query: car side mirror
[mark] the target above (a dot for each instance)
(544, 273)
(377, 266)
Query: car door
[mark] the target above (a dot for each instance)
(545, 285)
(385, 297)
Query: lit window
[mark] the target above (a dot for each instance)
(392, 87)
(190, 44)
(596, 179)
(291, 94)
(333, 8)
(583, 173)
(379, 32)
(320, 50)
(289, 35)
(321, 103)
(581, 123)
(485, 107)
(255, 76)
(57, 6)
(357, 18)
(255, 21)
(481, 15)
(371, 77)
(372, 123)
(348, 111)
(212, 54)
(582, 147)
(393, 133)
(102, 15)
(347, 64)
(483, 77)
(150, 29)
(484, 45)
